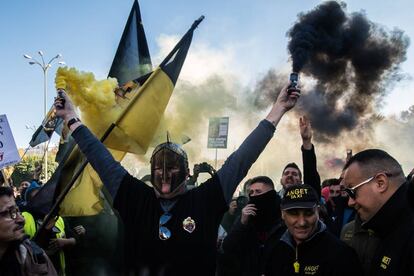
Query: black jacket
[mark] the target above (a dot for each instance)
(248, 250)
(339, 214)
(393, 224)
(321, 254)
(310, 171)
(364, 242)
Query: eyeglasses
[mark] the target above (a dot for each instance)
(11, 213)
(164, 232)
(351, 192)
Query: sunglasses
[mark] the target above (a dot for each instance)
(351, 192)
(163, 232)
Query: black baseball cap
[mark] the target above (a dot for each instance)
(299, 196)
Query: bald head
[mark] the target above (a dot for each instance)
(373, 161)
(373, 176)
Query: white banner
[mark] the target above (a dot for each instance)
(9, 154)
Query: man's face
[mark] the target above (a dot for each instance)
(168, 172)
(10, 229)
(367, 201)
(258, 188)
(301, 223)
(290, 176)
(23, 186)
(334, 191)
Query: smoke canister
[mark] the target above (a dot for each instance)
(294, 81)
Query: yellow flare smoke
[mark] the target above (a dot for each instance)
(95, 99)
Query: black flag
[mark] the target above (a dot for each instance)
(132, 59)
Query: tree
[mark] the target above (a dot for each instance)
(25, 169)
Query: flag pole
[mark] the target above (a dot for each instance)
(178, 45)
(44, 152)
(215, 163)
(6, 181)
(54, 210)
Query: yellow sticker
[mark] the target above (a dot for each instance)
(385, 262)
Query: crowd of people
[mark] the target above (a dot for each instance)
(360, 223)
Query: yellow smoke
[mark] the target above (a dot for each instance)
(95, 99)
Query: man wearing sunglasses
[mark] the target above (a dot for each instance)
(170, 230)
(18, 256)
(306, 247)
(377, 189)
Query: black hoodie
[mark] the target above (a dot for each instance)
(322, 254)
(394, 226)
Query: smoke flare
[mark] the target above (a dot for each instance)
(353, 62)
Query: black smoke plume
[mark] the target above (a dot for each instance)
(353, 61)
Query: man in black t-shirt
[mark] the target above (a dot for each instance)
(170, 230)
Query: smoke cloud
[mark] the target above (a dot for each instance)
(342, 87)
(353, 60)
(395, 134)
(94, 98)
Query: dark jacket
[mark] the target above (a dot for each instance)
(249, 248)
(393, 224)
(364, 241)
(410, 192)
(26, 259)
(339, 214)
(310, 171)
(321, 254)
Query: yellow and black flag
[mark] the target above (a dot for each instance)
(45, 131)
(132, 61)
(137, 125)
(133, 130)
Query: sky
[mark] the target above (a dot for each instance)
(241, 38)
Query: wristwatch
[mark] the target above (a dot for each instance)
(72, 121)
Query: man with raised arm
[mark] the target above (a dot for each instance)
(291, 174)
(170, 230)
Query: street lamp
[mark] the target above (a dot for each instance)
(32, 128)
(45, 67)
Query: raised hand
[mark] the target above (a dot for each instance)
(305, 132)
(285, 101)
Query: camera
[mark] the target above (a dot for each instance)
(242, 201)
(204, 168)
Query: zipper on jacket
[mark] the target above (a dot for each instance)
(296, 265)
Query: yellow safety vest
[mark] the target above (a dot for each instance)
(30, 228)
